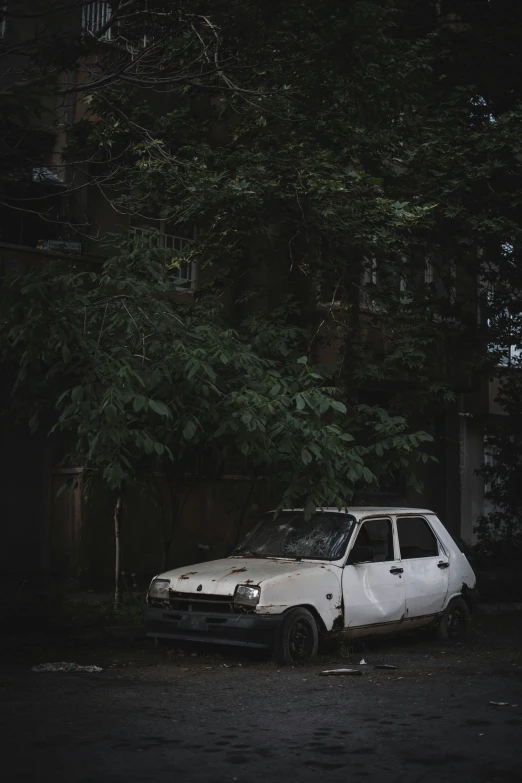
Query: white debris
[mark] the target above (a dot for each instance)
(62, 666)
(333, 672)
(362, 662)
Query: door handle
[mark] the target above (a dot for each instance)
(396, 570)
(443, 564)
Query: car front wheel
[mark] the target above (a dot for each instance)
(298, 638)
(455, 621)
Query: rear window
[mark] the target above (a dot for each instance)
(416, 538)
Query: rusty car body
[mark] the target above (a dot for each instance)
(360, 571)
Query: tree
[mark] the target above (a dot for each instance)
(316, 146)
(294, 178)
(143, 384)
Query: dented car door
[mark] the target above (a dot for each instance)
(373, 586)
(426, 567)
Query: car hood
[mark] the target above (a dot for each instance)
(220, 577)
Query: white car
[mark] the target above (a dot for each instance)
(359, 572)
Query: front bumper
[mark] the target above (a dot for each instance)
(244, 630)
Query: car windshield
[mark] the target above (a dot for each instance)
(322, 537)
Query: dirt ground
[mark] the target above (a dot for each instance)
(208, 714)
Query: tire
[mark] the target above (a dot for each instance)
(455, 621)
(298, 638)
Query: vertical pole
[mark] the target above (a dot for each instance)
(117, 513)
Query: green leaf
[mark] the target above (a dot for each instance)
(138, 403)
(309, 509)
(193, 367)
(367, 475)
(189, 430)
(158, 407)
(299, 403)
(338, 406)
(159, 448)
(62, 397)
(306, 456)
(314, 448)
(77, 394)
(114, 475)
(302, 360)
(324, 405)
(93, 444)
(111, 413)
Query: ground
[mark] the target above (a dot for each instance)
(214, 716)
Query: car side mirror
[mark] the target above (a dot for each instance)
(361, 554)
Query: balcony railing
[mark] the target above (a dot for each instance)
(95, 16)
(186, 272)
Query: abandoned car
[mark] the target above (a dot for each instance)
(293, 581)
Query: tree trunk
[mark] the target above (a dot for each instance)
(117, 513)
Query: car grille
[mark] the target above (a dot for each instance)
(197, 602)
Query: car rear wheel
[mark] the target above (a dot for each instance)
(298, 638)
(455, 621)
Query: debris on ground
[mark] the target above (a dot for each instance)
(333, 672)
(63, 666)
(385, 666)
(362, 662)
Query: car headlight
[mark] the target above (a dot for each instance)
(246, 595)
(159, 588)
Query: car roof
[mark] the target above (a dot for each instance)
(361, 511)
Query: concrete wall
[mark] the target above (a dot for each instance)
(471, 484)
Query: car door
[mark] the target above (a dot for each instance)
(373, 591)
(426, 566)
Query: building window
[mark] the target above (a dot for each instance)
(429, 272)
(442, 278)
(95, 16)
(368, 281)
(490, 460)
(370, 272)
(187, 272)
(502, 324)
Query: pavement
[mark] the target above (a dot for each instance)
(187, 713)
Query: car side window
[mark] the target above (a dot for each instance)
(416, 538)
(378, 535)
